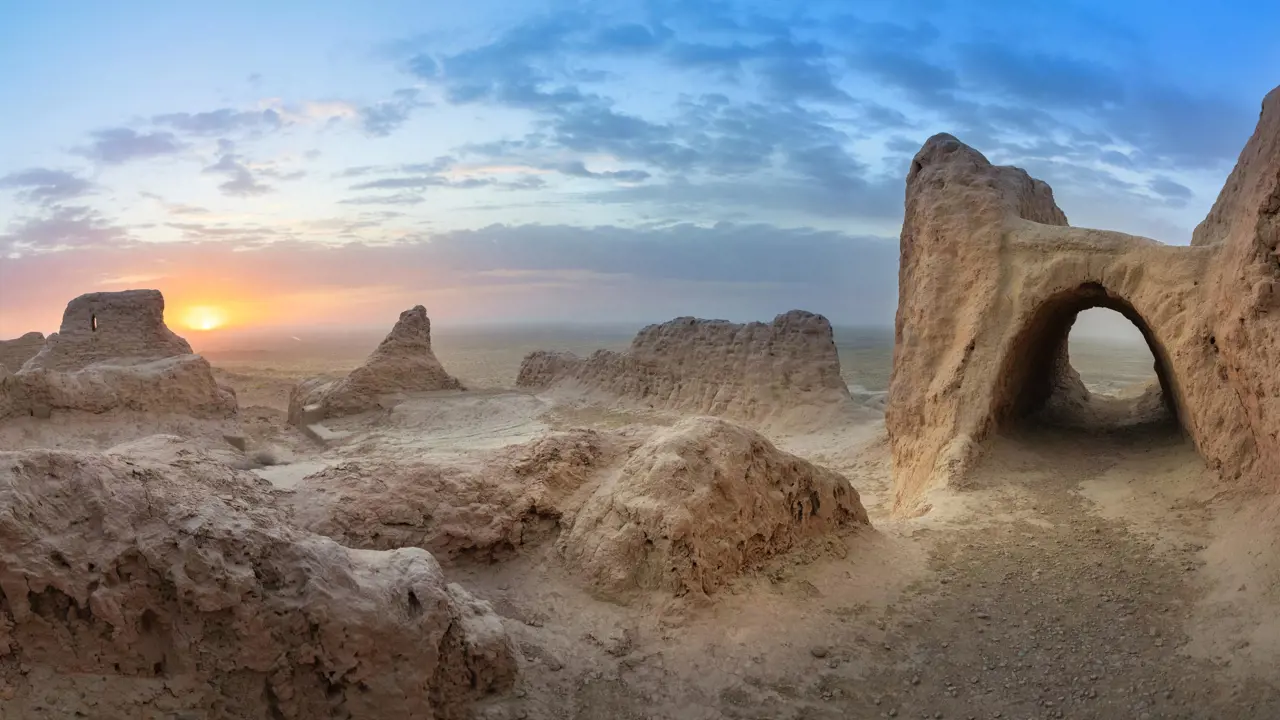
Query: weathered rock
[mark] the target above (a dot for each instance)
(16, 352)
(154, 371)
(118, 327)
(784, 372)
(697, 504)
(403, 362)
(991, 279)
(153, 580)
(484, 511)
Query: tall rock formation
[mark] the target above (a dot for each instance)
(403, 362)
(784, 372)
(991, 279)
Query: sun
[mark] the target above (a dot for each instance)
(204, 317)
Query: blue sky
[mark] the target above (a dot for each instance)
(333, 162)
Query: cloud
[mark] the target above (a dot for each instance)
(115, 146)
(1041, 78)
(421, 182)
(240, 180)
(62, 228)
(384, 118)
(396, 199)
(45, 186)
(578, 169)
(221, 122)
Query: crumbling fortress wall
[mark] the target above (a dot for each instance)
(402, 362)
(16, 352)
(114, 352)
(991, 279)
(786, 371)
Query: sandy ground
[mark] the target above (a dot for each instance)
(1076, 576)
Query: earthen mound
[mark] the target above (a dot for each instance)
(482, 512)
(16, 352)
(992, 278)
(403, 362)
(783, 372)
(697, 504)
(114, 352)
(132, 585)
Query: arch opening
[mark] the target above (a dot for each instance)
(1039, 384)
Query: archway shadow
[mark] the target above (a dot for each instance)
(1039, 390)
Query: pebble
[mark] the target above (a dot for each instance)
(818, 651)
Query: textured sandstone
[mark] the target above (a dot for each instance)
(991, 279)
(403, 362)
(485, 512)
(16, 352)
(697, 504)
(114, 352)
(153, 581)
(786, 371)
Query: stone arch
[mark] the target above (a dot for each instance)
(1037, 364)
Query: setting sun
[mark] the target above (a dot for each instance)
(203, 317)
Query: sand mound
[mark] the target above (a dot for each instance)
(699, 503)
(482, 512)
(152, 580)
(992, 279)
(16, 352)
(403, 362)
(114, 352)
(785, 372)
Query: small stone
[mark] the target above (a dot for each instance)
(818, 651)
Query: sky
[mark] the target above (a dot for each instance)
(294, 163)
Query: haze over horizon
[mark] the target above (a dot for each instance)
(288, 164)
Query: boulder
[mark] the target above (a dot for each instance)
(152, 580)
(697, 504)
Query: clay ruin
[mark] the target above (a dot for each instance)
(113, 351)
(403, 362)
(992, 278)
(784, 372)
(16, 352)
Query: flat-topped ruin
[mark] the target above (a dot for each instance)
(786, 371)
(992, 278)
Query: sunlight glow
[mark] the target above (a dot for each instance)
(203, 317)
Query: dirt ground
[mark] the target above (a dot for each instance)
(1066, 581)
